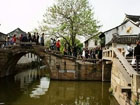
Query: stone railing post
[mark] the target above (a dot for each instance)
(113, 46)
(135, 88)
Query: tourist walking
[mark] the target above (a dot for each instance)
(83, 54)
(128, 50)
(86, 53)
(29, 37)
(52, 44)
(34, 38)
(100, 53)
(42, 39)
(21, 37)
(58, 45)
(14, 39)
(7, 40)
(37, 38)
(137, 55)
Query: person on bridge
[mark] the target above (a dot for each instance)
(29, 37)
(34, 38)
(137, 55)
(52, 44)
(100, 53)
(7, 40)
(58, 45)
(42, 39)
(37, 38)
(21, 37)
(83, 54)
(14, 39)
(128, 50)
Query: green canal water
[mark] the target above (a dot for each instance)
(33, 87)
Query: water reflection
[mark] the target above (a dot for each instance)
(29, 76)
(42, 88)
(34, 88)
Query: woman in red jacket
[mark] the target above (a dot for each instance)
(58, 45)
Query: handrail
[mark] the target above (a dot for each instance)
(32, 43)
(125, 63)
(106, 50)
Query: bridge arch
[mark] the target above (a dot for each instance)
(16, 53)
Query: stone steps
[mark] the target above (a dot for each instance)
(129, 59)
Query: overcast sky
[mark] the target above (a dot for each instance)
(26, 14)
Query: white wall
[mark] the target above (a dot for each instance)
(109, 35)
(91, 43)
(122, 30)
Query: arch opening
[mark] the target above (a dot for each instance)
(16, 63)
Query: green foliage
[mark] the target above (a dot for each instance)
(47, 43)
(70, 18)
(137, 102)
(79, 45)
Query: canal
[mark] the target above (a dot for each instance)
(34, 87)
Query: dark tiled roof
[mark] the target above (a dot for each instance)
(134, 18)
(94, 36)
(2, 33)
(17, 31)
(124, 39)
(2, 37)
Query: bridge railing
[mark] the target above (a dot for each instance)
(119, 54)
(26, 43)
(20, 44)
(124, 62)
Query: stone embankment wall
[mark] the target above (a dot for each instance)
(125, 88)
(4, 56)
(118, 81)
(76, 71)
(66, 69)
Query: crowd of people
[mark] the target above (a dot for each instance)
(95, 53)
(76, 51)
(25, 38)
(55, 45)
(85, 53)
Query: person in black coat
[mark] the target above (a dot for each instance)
(100, 53)
(137, 55)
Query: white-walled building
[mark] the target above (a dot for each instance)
(92, 42)
(125, 33)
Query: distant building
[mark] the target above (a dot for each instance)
(28, 57)
(17, 31)
(2, 38)
(125, 33)
(92, 42)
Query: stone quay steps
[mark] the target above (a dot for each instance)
(129, 59)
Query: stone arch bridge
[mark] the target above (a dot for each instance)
(59, 66)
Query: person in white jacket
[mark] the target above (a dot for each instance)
(83, 54)
(128, 50)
